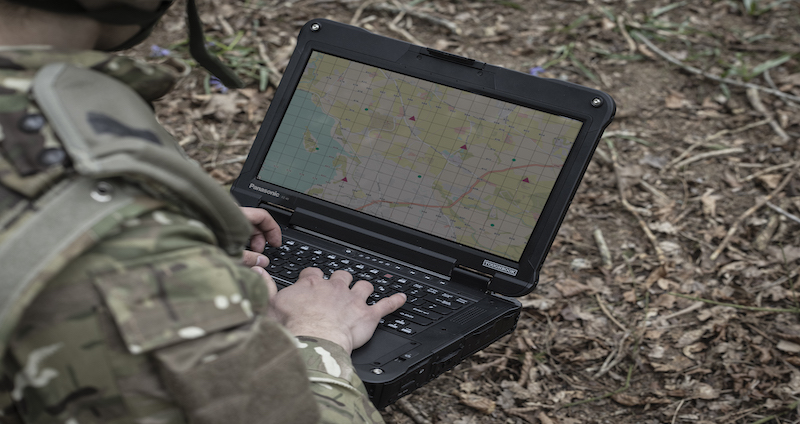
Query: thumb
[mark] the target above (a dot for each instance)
(272, 288)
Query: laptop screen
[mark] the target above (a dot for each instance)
(464, 167)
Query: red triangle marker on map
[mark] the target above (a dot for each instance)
(526, 180)
(464, 147)
(344, 180)
(412, 119)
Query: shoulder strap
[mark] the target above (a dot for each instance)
(109, 131)
(66, 222)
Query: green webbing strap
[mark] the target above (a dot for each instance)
(197, 47)
(61, 228)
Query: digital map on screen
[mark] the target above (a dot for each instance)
(448, 162)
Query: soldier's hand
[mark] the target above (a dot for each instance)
(272, 288)
(265, 230)
(330, 309)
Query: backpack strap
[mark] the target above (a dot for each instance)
(109, 131)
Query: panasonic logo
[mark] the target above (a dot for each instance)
(500, 267)
(272, 193)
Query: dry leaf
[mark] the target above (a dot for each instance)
(629, 296)
(544, 419)
(663, 227)
(479, 403)
(626, 399)
(569, 287)
(704, 391)
(675, 100)
(790, 347)
(591, 355)
(222, 106)
(657, 352)
(771, 180)
(676, 363)
(690, 350)
(690, 337)
(709, 203)
(540, 304)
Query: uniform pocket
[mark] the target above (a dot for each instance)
(184, 296)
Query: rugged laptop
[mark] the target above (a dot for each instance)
(423, 172)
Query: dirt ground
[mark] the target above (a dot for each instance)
(670, 294)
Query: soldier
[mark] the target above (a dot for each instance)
(122, 294)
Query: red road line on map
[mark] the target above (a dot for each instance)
(465, 193)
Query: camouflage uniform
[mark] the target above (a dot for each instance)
(146, 315)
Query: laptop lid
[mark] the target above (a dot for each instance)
(446, 163)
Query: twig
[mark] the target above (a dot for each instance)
(661, 198)
(735, 306)
(393, 26)
(524, 372)
(662, 259)
(771, 169)
(608, 313)
(675, 415)
(236, 159)
(357, 15)
(605, 254)
(712, 138)
(632, 47)
(625, 387)
(613, 358)
(793, 273)
(273, 70)
(412, 412)
(711, 154)
(697, 71)
(783, 212)
(753, 209)
(755, 100)
(534, 407)
(775, 417)
(383, 7)
(692, 307)
(765, 235)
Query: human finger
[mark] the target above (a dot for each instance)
(254, 259)
(310, 272)
(363, 288)
(272, 288)
(387, 305)
(266, 229)
(340, 276)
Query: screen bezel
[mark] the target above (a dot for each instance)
(550, 96)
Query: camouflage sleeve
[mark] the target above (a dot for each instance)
(339, 392)
(156, 324)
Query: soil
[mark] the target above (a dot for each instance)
(692, 317)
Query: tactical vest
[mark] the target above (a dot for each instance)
(122, 164)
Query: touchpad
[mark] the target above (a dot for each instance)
(381, 344)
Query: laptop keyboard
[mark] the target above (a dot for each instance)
(426, 303)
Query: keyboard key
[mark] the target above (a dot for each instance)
(439, 309)
(421, 311)
(416, 318)
(446, 303)
(433, 291)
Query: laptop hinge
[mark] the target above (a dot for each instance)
(470, 277)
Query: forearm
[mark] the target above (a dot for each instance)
(340, 394)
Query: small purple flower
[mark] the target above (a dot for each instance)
(216, 83)
(535, 71)
(156, 51)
